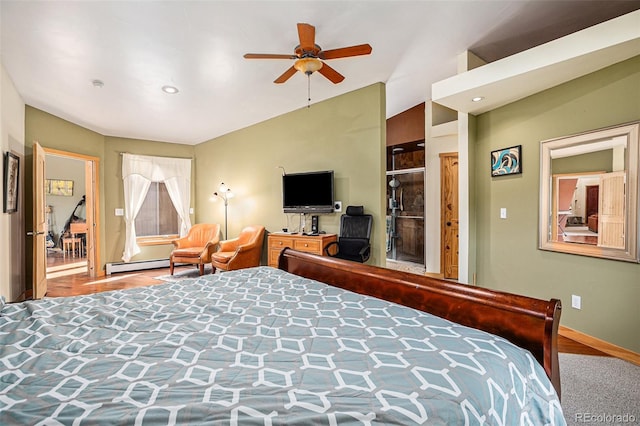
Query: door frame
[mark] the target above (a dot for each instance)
(92, 203)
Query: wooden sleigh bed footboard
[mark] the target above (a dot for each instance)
(527, 322)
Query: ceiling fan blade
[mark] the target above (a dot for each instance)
(334, 76)
(268, 56)
(344, 52)
(307, 36)
(286, 75)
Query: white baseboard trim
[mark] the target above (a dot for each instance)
(136, 266)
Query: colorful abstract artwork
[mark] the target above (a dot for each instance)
(507, 161)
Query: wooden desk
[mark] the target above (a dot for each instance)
(315, 244)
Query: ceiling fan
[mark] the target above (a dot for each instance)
(309, 56)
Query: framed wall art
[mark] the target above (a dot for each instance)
(58, 187)
(506, 161)
(11, 178)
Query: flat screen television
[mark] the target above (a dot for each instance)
(310, 192)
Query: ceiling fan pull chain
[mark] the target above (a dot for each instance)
(309, 90)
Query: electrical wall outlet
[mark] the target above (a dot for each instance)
(119, 212)
(576, 302)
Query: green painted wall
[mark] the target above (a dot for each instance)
(507, 254)
(55, 133)
(345, 134)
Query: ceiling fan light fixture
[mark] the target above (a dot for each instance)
(308, 65)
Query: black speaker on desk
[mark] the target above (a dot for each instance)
(314, 224)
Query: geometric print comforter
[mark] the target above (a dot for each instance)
(258, 346)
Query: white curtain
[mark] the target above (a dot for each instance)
(138, 171)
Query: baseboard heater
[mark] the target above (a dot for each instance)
(136, 266)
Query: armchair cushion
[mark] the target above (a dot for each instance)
(189, 252)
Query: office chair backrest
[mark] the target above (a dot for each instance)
(355, 224)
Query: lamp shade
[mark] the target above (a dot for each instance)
(308, 65)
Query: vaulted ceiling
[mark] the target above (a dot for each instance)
(54, 50)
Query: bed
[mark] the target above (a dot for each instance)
(316, 341)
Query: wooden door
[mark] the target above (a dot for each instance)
(449, 215)
(91, 215)
(39, 267)
(592, 197)
(611, 229)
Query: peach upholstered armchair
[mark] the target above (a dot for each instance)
(241, 252)
(196, 248)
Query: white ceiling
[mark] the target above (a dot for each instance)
(53, 50)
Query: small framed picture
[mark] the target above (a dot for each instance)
(58, 187)
(11, 177)
(507, 161)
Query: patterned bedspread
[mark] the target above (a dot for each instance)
(258, 346)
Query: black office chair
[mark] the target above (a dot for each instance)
(355, 232)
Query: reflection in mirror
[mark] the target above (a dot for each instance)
(589, 193)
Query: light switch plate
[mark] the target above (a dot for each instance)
(503, 213)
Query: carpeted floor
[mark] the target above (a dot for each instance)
(599, 390)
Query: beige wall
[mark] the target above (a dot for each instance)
(12, 226)
(507, 254)
(345, 134)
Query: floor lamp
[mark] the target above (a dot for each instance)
(226, 194)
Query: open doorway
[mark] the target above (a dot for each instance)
(405, 207)
(70, 199)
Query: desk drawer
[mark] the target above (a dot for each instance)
(308, 245)
(279, 243)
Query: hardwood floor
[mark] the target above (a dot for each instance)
(62, 281)
(75, 284)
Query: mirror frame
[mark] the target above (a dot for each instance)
(631, 250)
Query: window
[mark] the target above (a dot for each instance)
(157, 216)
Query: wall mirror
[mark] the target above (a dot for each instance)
(589, 193)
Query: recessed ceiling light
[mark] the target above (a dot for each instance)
(170, 90)
(97, 83)
(477, 99)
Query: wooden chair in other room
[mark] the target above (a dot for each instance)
(244, 251)
(196, 248)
